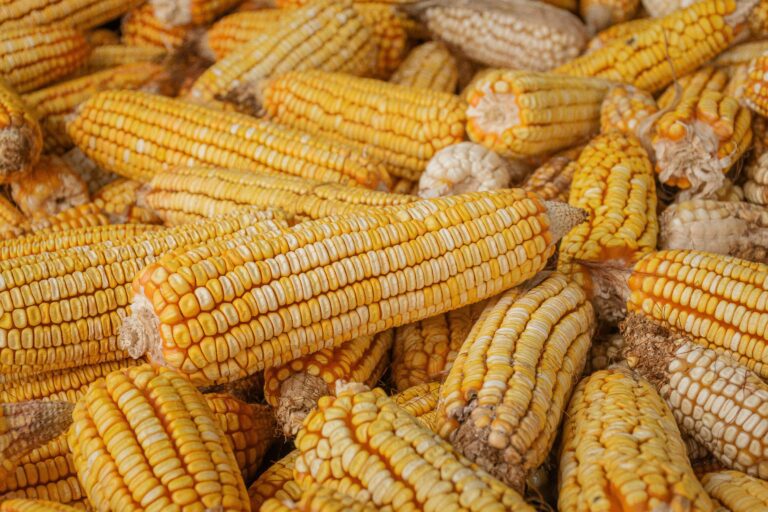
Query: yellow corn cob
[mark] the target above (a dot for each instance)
(701, 136)
(755, 92)
(298, 317)
(315, 498)
(552, 180)
(22, 505)
(420, 401)
(622, 450)
(12, 221)
(613, 182)
(78, 14)
(27, 425)
(327, 34)
(522, 113)
(404, 186)
(719, 301)
(740, 55)
(21, 139)
(294, 388)
(605, 352)
(250, 429)
(55, 103)
(514, 35)
(505, 394)
(227, 34)
(110, 435)
(424, 351)
(101, 36)
(737, 491)
(428, 66)
(112, 55)
(388, 29)
(416, 470)
(158, 133)
(468, 167)
(84, 215)
(715, 400)
(619, 31)
(35, 56)
(737, 83)
(624, 108)
(599, 14)
(735, 228)
(402, 126)
(140, 27)
(275, 482)
(672, 46)
(94, 176)
(187, 193)
(71, 302)
(51, 187)
(190, 12)
(118, 199)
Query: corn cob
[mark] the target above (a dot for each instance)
(700, 138)
(514, 35)
(600, 14)
(327, 34)
(420, 401)
(737, 491)
(94, 176)
(621, 449)
(140, 27)
(118, 200)
(404, 186)
(101, 36)
(715, 400)
(660, 8)
(755, 92)
(627, 109)
(390, 35)
(758, 20)
(605, 352)
(72, 301)
(619, 31)
(737, 83)
(169, 414)
(496, 406)
(77, 14)
(150, 133)
(467, 167)
(552, 180)
(12, 221)
(275, 482)
(424, 351)
(183, 194)
(428, 66)
(522, 113)
(315, 498)
(227, 34)
(35, 56)
(21, 139)
(112, 55)
(84, 215)
(740, 55)
(27, 425)
(298, 318)
(250, 429)
(355, 422)
(672, 46)
(735, 228)
(716, 300)
(294, 388)
(613, 182)
(23, 505)
(190, 12)
(51, 187)
(402, 126)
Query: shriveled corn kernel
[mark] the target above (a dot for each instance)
(315, 498)
(424, 351)
(428, 66)
(21, 138)
(737, 491)
(94, 176)
(600, 14)
(141, 27)
(51, 187)
(391, 445)
(551, 181)
(505, 394)
(294, 388)
(514, 35)
(621, 448)
(468, 167)
(193, 466)
(523, 113)
(351, 275)
(275, 482)
(77, 14)
(670, 47)
(715, 400)
(627, 109)
(118, 199)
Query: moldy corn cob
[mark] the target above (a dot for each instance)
(51, 187)
(428, 66)
(496, 407)
(604, 352)
(21, 138)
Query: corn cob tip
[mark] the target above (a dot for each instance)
(648, 347)
(563, 218)
(139, 333)
(609, 286)
(298, 396)
(17, 150)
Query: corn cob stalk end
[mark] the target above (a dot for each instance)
(298, 395)
(138, 334)
(647, 347)
(563, 218)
